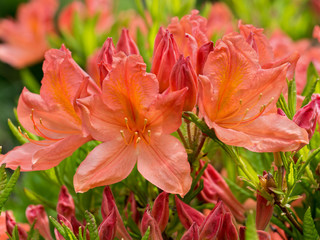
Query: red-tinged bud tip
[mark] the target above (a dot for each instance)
(149, 222)
(105, 59)
(10, 225)
(38, 214)
(160, 210)
(263, 213)
(262, 235)
(202, 56)
(126, 44)
(307, 116)
(192, 233)
(281, 112)
(65, 204)
(187, 214)
(165, 55)
(182, 76)
(107, 229)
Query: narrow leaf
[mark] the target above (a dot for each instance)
(251, 232)
(309, 229)
(9, 187)
(92, 225)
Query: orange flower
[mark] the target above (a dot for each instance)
(52, 115)
(237, 97)
(134, 123)
(25, 39)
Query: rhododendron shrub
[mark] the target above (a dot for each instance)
(182, 125)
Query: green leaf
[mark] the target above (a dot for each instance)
(3, 178)
(69, 233)
(251, 232)
(284, 106)
(291, 176)
(309, 229)
(29, 80)
(31, 233)
(38, 199)
(292, 97)
(58, 226)
(146, 235)
(15, 233)
(9, 187)
(16, 133)
(309, 159)
(92, 225)
(312, 81)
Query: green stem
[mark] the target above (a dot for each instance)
(182, 138)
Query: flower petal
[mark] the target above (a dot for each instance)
(269, 133)
(164, 163)
(108, 163)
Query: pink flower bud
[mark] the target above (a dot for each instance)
(183, 75)
(65, 221)
(215, 188)
(108, 227)
(188, 215)
(192, 233)
(281, 112)
(65, 204)
(105, 58)
(263, 213)
(11, 223)
(149, 221)
(307, 116)
(108, 204)
(165, 55)
(160, 210)
(126, 44)
(202, 56)
(38, 214)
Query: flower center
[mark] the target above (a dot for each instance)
(135, 135)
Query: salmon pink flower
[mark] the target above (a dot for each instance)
(237, 98)
(134, 123)
(160, 210)
(24, 40)
(53, 115)
(264, 212)
(65, 204)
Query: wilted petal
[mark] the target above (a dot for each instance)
(187, 214)
(164, 163)
(38, 214)
(160, 210)
(108, 163)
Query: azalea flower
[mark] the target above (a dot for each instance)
(134, 123)
(24, 40)
(52, 115)
(237, 98)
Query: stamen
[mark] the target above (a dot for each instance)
(144, 125)
(127, 124)
(55, 131)
(25, 135)
(138, 140)
(123, 136)
(149, 133)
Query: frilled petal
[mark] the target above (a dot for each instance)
(164, 163)
(164, 115)
(62, 80)
(128, 87)
(268, 133)
(55, 122)
(108, 163)
(103, 123)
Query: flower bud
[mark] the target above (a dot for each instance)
(165, 55)
(183, 75)
(202, 56)
(108, 204)
(65, 221)
(160, 210)
(262, 235)
(105, 59)
(133, 209)
(187, 214)
(307, 116)
(108, 227)
(149, 221)
(263, 213)
(192, 233)
(10, 225)
(38, 214)
(267, 182)
(215, 188)
(65, 204)
(126, 44)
